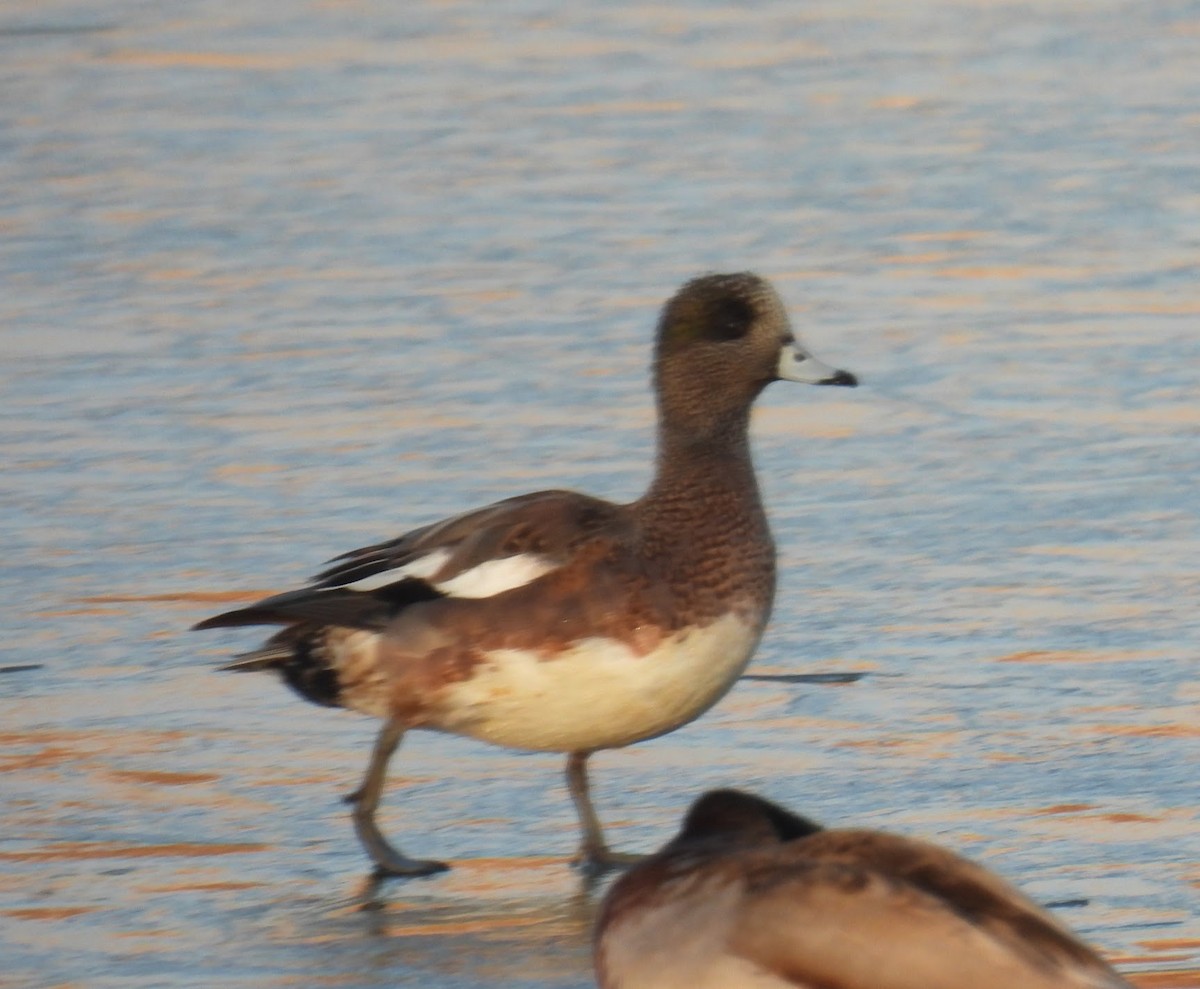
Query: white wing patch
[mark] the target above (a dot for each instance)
(495, 576)
(423, 567)
(482, 581)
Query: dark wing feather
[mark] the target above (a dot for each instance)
(328, 606)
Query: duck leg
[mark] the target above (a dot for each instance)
(388, 861)
(594, 856)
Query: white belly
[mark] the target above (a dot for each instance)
(598, 694)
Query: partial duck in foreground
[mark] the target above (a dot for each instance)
(751, 896)
(556, 621)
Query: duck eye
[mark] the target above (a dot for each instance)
(731, 319)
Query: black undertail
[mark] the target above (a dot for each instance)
(299, 655)
(299, 652)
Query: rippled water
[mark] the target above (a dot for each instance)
(283, 279)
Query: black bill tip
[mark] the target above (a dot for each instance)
(843, 378)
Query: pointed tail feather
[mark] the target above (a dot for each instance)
(269, 657)
(370, 611)
(241, 616)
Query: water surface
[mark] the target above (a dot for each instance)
(281, 280)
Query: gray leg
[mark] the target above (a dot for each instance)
(388, 861)
(594, 855)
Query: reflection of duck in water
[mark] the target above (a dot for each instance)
(556, 621)
(750, 896)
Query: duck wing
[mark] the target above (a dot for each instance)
(477, 554)
(865, 910)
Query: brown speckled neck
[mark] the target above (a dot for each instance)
(703, 516)
(693, 468)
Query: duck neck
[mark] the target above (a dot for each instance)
(707, 473)
(703, 517)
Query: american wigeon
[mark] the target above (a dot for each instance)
(751, 896)
(556, 621)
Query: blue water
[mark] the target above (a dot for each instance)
(282, 280)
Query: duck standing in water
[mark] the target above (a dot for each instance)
(556, 621)
(751, 896)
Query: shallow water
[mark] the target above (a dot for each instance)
(284, 279)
